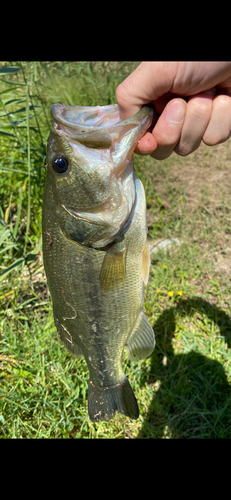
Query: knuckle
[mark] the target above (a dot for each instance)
(165, 139)
(161, 153)
(121, 94)
(215, 137)
(182, 151)
(186, 149)
(224, 101)
(209, 138)
(201, 108)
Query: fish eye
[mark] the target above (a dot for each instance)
(60, 164)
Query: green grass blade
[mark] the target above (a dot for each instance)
(10, 82)
(28, 166)
(19, 210)
(4, 233)
(14, 170)
(7, 133)
(9, 69)
(6, 91)
(21, 110)
(17, 263)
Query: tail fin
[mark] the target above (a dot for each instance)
(103, 402)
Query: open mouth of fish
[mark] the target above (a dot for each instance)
(110, 142)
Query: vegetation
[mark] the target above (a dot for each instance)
(183, 389)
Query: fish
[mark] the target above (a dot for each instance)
(95, 250)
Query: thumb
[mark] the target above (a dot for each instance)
(145, 84)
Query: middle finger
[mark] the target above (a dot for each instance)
(199, 109)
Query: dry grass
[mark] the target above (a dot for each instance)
(206, 174)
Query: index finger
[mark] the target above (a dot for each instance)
(145, 84)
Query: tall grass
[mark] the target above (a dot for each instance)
(19, 138)
(27, 90)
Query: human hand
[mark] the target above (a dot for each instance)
(192, 102)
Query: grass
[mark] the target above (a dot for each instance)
(183, 389)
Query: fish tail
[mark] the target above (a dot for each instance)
(103, 402)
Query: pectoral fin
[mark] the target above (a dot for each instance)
(113, 271)
(145, 263)
(142, 341)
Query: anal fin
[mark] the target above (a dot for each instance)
(113, 271)
(142, 341)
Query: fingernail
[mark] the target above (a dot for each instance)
(176, 112)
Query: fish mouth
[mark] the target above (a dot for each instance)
(98, 126)
(88, 129)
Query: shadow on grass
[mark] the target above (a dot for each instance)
(194, 396)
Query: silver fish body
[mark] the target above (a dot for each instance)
(95, 248)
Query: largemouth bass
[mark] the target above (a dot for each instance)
(95, 249)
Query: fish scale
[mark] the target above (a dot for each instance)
(97, 280)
